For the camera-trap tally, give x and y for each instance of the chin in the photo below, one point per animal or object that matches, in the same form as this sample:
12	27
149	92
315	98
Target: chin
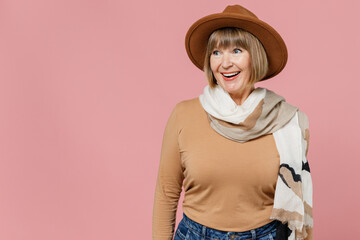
234	89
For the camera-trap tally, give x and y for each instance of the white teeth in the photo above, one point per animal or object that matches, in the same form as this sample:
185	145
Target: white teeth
230	74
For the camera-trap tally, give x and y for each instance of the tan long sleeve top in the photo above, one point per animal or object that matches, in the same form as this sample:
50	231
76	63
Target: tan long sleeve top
228	186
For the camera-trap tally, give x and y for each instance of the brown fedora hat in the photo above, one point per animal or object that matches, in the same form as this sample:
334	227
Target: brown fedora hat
239	17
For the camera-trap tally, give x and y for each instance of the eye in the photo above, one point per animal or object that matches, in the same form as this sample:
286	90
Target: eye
216	52
237	50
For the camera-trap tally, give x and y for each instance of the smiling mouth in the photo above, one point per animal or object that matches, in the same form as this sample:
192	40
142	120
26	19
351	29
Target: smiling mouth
230	76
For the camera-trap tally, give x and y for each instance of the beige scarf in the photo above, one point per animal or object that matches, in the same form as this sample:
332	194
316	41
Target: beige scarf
265	112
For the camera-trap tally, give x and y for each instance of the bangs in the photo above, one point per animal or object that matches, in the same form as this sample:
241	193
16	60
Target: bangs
227	37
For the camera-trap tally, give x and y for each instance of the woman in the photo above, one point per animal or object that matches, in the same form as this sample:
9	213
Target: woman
238	151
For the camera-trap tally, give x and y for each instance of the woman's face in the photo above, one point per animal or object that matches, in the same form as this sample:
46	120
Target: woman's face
232	68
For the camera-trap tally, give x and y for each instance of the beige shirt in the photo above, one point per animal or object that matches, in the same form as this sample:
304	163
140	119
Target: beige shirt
228	186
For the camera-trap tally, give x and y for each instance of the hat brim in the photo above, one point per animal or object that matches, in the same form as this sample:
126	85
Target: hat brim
199	33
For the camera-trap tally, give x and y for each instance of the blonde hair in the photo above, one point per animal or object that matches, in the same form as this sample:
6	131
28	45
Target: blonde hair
231	36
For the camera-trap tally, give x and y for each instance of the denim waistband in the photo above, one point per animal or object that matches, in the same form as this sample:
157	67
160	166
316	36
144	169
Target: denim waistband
205	232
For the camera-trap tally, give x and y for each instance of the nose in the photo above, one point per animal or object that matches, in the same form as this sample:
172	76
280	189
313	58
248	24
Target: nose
226	61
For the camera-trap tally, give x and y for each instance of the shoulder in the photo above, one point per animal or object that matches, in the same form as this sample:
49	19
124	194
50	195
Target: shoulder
188	103
184	109
304	124
303	120
187	106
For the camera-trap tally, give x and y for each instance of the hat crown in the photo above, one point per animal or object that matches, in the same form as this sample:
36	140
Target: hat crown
237	9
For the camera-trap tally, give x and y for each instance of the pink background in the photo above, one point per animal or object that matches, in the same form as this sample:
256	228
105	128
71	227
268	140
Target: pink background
86	87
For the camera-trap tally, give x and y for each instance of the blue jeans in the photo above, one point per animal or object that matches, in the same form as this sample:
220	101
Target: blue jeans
191	230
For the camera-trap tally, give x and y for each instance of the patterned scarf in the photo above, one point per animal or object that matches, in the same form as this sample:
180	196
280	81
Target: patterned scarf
265	112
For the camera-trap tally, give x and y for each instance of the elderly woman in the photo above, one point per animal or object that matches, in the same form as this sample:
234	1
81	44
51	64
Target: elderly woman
240	152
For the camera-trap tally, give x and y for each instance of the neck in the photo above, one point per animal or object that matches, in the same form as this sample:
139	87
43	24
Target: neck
239	98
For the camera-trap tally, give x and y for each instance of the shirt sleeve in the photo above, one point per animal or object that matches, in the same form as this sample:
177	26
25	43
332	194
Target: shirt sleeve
169	182
310	234
307	138
308	203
